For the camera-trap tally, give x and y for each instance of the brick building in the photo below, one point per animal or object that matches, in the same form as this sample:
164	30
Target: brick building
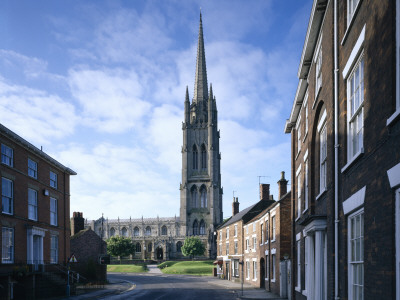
345	153
253	242
34	222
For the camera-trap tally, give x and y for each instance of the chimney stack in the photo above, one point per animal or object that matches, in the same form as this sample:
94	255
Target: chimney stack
77	223
282	183
235	206
264	191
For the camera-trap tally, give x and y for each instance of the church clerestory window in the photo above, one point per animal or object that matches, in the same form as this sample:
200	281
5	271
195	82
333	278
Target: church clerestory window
195	227
164	230
112	231
124	232
148	231
136	231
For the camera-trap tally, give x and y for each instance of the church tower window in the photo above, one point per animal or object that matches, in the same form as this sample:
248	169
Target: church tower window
194	197
195	158
203	197
203	157
202	227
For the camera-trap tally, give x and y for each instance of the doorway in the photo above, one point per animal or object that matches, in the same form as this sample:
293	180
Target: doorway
262	273
160	254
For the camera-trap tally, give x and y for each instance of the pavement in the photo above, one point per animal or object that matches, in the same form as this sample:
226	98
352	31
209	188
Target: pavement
118	287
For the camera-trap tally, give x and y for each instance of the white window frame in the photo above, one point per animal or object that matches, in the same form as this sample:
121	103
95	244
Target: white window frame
236	268
236	247
273	266
305	107
298	281
273	220
262	233
32	204
267	266
254	270
7	245
267	231
247	244
227	233
349	246
7	197
318	68
220	236
306	269
7	155
298	130
298	195
53	211
235	230
306	187
247	270
254	243
323	155
254	227
32	168
353	116
53	249
352	6
227	248
53	179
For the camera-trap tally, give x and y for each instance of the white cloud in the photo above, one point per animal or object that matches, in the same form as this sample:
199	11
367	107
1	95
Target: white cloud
111	98
36	115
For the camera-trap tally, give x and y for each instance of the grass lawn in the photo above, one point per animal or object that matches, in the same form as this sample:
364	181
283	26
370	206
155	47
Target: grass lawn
203	268
127	268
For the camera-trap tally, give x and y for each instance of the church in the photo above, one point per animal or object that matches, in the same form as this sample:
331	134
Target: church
200	189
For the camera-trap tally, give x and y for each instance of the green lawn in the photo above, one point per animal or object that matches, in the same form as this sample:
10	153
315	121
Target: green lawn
203	268
127	268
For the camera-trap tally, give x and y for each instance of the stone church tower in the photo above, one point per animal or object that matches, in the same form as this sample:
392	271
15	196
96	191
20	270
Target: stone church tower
201	192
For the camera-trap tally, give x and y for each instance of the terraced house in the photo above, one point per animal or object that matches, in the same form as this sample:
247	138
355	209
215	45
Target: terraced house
345	153
34	221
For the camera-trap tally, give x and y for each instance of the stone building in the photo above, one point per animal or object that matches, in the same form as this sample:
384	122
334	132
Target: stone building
200	189
345	159
34	217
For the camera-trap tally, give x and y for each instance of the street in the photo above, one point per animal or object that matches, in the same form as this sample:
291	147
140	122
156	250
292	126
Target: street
156	286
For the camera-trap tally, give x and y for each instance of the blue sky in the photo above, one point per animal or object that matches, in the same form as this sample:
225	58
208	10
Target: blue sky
101	86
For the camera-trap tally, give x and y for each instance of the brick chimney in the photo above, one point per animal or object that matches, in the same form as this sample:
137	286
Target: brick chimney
264	191
282	183
235	206
77	222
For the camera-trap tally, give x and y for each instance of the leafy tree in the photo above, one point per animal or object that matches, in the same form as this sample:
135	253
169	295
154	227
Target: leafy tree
193	246
120	246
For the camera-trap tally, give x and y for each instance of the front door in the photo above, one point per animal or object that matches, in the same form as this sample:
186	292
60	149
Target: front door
36	251
227	270
262	273
159	253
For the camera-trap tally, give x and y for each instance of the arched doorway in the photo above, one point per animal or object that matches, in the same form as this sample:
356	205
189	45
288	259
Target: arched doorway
262	273
160	254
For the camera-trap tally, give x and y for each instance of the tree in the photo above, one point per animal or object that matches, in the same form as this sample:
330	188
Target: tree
193	246
120	246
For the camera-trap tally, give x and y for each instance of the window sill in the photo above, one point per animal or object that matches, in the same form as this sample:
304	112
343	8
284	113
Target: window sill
297	289
316	97
305	210
298	217
304	292
6	213
393	117
320	194
254	279
305	136
354	158
346	34
273	241
272	280
254	250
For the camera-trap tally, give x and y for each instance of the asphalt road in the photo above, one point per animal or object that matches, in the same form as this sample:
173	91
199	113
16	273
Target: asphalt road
174	287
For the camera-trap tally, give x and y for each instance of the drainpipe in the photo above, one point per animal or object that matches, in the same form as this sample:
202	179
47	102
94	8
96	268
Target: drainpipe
335	41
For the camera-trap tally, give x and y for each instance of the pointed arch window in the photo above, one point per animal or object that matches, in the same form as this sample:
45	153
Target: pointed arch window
150	247
203	197
179	246
202	227
195	227
148	231
124	232
136	232
138	247
112	231
195	158
164	230
203	157
194	197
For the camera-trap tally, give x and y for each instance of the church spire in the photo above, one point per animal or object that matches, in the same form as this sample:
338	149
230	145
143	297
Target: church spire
200	85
